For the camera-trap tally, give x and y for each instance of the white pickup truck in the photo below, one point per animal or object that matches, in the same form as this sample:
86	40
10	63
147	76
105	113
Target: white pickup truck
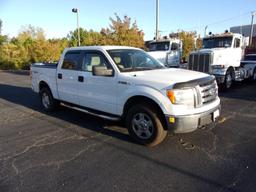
125	83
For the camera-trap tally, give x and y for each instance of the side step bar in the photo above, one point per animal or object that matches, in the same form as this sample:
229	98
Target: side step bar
108	117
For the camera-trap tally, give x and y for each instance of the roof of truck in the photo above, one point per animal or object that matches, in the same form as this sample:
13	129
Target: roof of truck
229	34
100	48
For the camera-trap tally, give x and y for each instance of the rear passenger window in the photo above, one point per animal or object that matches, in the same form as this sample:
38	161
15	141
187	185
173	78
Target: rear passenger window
93	59
71	60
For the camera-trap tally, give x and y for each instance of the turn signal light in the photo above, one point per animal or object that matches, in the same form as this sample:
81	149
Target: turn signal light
171	96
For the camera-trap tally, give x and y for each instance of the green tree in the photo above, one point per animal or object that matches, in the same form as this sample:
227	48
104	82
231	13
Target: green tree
199	42
1	25
3	38
87	38
28	47
120	32
123	32
188	40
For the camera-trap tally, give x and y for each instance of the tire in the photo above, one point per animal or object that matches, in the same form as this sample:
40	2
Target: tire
144	125
228	81
47	101
253	77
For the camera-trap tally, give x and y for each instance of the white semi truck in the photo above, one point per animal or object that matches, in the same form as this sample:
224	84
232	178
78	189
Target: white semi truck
221	56
167	50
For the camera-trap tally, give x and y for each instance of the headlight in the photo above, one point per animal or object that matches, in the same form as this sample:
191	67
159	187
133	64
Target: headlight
218	66
181	96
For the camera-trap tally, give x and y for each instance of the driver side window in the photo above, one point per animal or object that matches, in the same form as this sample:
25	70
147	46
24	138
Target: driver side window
174	47
93	59
237	43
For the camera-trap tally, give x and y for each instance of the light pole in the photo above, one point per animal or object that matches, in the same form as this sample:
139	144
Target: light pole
75	10
205	30
157	20
253	14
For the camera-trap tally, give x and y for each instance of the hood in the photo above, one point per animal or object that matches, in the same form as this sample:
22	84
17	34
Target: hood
221	56
162	78
215	51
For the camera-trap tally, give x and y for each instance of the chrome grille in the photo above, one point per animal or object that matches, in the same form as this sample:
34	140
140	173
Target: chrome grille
208	92
200	62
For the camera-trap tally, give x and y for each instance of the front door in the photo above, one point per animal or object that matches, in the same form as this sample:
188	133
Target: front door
237	53
96	92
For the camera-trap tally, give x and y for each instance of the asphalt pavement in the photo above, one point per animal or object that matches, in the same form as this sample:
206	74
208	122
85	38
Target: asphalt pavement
68	150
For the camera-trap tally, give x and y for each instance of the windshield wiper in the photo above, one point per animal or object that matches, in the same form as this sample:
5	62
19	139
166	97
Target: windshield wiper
143	68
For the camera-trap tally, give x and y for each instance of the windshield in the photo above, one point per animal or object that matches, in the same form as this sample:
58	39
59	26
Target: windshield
217	42
250	58
159	46
134	60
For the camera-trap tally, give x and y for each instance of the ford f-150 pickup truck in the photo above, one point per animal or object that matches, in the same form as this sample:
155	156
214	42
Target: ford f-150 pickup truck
125	83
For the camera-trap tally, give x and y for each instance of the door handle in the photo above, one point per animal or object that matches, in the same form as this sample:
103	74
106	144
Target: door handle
59	76
80	78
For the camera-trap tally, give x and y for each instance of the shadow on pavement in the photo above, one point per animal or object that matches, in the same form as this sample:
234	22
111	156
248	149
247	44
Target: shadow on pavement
24	96
244	90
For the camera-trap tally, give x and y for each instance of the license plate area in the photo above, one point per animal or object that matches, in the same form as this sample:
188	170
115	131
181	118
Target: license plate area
208	119
216	114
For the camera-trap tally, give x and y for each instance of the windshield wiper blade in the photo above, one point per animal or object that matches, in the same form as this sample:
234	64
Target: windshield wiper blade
143	68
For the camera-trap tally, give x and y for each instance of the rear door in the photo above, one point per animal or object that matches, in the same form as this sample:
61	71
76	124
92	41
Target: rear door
96	92
67	77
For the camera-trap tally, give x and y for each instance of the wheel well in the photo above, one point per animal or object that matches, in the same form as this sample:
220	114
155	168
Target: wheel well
145	100
42	85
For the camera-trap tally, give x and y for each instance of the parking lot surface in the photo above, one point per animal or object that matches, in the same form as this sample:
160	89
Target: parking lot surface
71	151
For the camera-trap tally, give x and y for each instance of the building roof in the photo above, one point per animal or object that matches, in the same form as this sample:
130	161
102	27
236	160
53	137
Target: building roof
245	30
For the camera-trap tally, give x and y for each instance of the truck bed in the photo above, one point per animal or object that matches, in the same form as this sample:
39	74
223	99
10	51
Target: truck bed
44	72
45	65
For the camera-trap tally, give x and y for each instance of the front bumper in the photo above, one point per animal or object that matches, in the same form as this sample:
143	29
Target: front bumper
189	123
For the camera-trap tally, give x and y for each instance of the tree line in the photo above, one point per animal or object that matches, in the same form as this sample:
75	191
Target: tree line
31	45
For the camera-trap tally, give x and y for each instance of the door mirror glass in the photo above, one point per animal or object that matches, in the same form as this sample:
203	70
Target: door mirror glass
226	45
102	71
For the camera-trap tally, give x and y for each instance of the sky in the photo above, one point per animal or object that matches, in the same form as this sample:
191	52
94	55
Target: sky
57	19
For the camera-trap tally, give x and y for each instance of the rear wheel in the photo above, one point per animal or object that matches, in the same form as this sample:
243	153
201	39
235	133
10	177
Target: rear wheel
253	78
47	100
145	126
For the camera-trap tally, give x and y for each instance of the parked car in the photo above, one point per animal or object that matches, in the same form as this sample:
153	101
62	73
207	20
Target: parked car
125	83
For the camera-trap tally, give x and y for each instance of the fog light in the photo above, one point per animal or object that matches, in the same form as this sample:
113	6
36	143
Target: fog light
171	119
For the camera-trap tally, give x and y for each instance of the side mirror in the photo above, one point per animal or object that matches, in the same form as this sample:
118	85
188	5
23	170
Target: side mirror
226	45
102	71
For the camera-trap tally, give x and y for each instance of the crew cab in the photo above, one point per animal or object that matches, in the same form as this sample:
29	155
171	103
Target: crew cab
125	83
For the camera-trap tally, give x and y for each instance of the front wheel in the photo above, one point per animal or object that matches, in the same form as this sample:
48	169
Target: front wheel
227	82
145	126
